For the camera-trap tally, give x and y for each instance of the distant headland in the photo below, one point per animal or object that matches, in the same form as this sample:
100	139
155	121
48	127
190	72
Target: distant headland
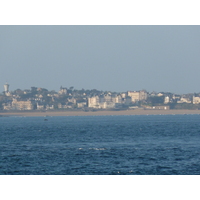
40	100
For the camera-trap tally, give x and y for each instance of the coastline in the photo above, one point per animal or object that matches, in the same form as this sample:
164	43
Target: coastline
100	113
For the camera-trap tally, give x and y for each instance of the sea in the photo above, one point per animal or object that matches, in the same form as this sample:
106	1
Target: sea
100	145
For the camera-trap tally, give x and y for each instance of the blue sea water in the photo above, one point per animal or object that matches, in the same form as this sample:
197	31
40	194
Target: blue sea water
100	145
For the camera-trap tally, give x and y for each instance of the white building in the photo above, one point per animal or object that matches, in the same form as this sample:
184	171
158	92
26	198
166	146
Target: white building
184	100
40	106
137	96
22	105
7	106
49	107
93	102
72	100
81	104
196	100
123	95
117	99
166	100
160	94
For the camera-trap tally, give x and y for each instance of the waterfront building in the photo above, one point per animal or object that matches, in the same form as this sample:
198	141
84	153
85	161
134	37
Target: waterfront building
117	99
7	105
22	105
49	107
184	100
72	100
93	102
108	98
196	100
156	107
128	100
143	95
81	104
62	105
40	106
137	96
166	100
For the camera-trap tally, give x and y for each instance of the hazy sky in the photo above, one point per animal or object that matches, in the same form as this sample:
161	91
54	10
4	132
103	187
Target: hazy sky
115	58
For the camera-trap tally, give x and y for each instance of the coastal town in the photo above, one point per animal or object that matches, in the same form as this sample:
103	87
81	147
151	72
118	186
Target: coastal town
70	98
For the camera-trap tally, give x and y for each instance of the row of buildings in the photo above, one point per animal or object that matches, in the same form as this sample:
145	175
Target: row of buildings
180	100
42	99
116	100
104	101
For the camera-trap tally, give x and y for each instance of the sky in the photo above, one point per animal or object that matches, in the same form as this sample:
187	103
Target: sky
109	58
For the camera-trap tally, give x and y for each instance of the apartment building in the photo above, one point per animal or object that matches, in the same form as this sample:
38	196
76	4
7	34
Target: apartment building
93	102
22	105
137	96
117	99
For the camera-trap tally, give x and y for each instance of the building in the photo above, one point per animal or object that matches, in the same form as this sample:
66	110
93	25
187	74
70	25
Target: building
157	107
62	106
108	98
143	95
176	97
7	105
117	99
40	106
71	100
93	102
6	88
62	91
196	100
137	96
128	100
160	94
123	95
184	100
81	104
49	107
22	105
161	107
166	100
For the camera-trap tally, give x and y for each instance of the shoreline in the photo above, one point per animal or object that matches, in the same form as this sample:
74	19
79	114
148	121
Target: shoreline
100	113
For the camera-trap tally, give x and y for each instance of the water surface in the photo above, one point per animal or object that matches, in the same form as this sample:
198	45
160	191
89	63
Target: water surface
100	145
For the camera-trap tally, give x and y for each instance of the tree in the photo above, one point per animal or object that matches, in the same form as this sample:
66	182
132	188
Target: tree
155	100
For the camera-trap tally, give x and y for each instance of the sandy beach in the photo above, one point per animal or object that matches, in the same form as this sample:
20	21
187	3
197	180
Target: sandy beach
97	113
